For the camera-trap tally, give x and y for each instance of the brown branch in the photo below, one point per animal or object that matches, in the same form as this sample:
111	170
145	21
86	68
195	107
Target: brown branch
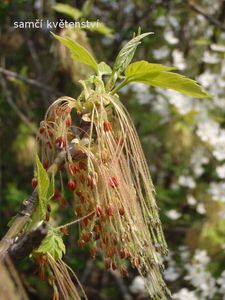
29	204
34	82
210	18
14	107
121	285
27	243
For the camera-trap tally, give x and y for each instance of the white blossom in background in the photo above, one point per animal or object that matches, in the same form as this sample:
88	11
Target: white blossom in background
206	78
186	181
198	161
217	191
161	21
216	47
200	208
138	285
191	200
210	58
184	253
178	59
172	272
208	130
161	106
221	283
220	170
199	277
141	91
185	294
161	53
170	37
173	214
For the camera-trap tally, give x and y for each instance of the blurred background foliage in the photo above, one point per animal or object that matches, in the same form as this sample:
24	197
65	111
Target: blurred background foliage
183	138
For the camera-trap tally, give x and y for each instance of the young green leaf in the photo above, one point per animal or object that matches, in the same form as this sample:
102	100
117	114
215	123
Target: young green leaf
43	186
175	82
104	69
159	76
100	28
141	68
78	52
53	244
67	10
127	52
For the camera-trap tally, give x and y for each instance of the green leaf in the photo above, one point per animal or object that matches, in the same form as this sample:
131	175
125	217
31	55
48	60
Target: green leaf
100	28
53	244
159	76
104	69
67	10
43	186
142	67
127	52
78	52
51	188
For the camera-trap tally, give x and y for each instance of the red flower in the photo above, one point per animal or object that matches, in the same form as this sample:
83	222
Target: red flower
113	182
68	121
71	185
107	126
34	182
60	142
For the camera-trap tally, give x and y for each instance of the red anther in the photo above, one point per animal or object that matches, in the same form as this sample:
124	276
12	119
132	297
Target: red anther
57	194
61	167
107	126
93	252
46	164
110	252
114	267
113	182
99	211
136	262
124	253
34	182
105	240
110	210
41	130
73	169
65	230
120	141
121	211
82	165
68	121
78	211
107	264
81	243
91	182
97	229
55	295
82	179
81	196
85	222
71	185
85	236
49	144
60	142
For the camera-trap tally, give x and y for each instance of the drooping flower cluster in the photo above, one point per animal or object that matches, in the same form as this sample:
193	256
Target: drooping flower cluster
109	178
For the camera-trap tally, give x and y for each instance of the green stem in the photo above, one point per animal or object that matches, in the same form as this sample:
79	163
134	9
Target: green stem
119	87
75	221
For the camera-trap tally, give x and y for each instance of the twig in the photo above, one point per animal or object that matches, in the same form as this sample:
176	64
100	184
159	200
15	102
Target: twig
14	106
28	205
28	80
27	243
121	285
211	19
